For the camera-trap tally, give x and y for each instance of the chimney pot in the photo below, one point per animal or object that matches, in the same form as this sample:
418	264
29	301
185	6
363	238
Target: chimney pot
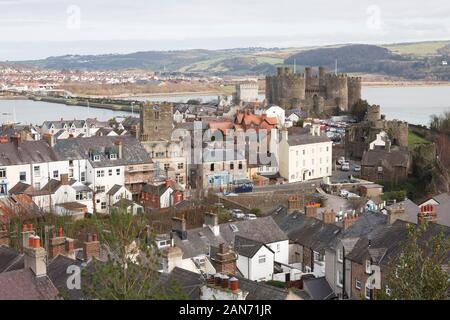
225	281
234	284
30	227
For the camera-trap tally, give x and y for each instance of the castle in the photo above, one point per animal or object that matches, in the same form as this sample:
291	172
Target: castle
318	93
359	136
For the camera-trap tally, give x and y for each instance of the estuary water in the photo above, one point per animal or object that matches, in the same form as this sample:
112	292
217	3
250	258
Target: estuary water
412	104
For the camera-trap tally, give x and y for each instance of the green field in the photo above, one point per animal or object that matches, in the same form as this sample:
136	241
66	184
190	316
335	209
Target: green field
414	139
417	49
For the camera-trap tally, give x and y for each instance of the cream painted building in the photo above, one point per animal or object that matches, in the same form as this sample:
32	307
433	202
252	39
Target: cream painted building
305	156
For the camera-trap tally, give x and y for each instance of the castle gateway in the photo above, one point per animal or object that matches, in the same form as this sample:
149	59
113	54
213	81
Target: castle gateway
321	92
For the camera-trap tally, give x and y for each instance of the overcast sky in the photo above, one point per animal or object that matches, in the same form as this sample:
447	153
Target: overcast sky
31	29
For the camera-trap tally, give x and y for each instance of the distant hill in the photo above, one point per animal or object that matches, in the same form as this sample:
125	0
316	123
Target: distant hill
422	60
373	59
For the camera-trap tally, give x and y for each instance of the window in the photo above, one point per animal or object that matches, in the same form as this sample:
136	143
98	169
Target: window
100	173
55	174
278	247
2	173
103	205
98	200
110	172
367	292
97	158
118	172
37	186
304	151
328	148
262	259
3	189
37	171
70	173
368	265
231	166
23	176
180	165
317	256
157	115
179	179
340	255
113	156
357	284
166	166
100	189
83	176
212	167
70	163
240	165
340	279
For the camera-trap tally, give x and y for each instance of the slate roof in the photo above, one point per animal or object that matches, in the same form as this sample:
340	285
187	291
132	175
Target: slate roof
20	205
191	282
263	230
442	210
24	285
78	148
301	139
394	158
386	244
247	247
60	124
20	188
311	232
10	259
114	189
57	272
318	288
27	152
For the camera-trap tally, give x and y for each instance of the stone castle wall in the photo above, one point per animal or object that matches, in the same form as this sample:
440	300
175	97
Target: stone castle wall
295	90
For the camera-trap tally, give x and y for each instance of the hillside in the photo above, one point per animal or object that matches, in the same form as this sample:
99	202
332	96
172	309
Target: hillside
415	61
373	59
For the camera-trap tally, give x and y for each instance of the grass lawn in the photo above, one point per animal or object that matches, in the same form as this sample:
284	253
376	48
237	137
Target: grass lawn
418	49
414	139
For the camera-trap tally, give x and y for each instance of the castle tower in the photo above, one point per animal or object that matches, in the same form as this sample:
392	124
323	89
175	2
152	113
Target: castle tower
308	76
156	122
322	76
286	89
373	113
354	91
337	90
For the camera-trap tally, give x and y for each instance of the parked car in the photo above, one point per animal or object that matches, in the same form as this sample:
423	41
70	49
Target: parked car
357	168
343	193
352	195
250	216
237	213
340	161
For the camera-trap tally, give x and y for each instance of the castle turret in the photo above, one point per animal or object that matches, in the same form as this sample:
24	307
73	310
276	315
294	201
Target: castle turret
337	90
354	91
322	75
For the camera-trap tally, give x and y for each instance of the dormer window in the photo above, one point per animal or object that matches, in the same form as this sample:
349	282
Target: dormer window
113	156
96	157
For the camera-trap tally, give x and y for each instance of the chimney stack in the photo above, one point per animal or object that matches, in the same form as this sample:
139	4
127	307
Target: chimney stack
293	204
91	247
179	226
119	145
427	214
329	217
395	212
224	260
348	221
27	232
61	245
311	210
212	221
35	257
64	179
4	236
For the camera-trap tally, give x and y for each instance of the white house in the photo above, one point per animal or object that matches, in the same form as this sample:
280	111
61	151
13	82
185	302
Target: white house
255	260
259	244
30	162
305	156
274	112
